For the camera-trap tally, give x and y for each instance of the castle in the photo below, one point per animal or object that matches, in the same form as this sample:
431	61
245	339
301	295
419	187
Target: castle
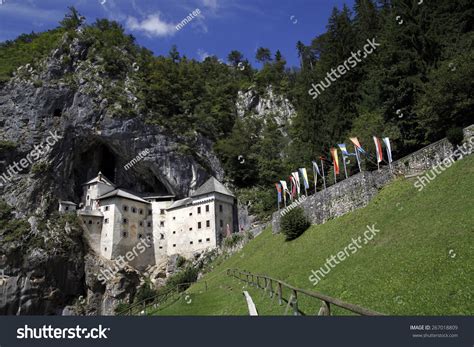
117	221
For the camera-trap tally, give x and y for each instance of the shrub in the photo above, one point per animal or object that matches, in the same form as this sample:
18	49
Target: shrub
455	136
121	308
182	278
232	240
180	261
39	168
145	292
294	223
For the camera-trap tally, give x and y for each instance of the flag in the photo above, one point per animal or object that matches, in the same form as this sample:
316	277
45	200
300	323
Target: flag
305	177
285	189
316	169
386	140
278	188
378	148
335	160
344	151
293	186
357	145
296	178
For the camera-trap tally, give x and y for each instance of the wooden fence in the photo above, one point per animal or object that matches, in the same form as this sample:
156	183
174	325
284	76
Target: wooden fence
152	303
269	283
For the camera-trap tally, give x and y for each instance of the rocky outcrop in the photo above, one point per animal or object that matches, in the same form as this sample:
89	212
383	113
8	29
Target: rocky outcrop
64	100
267	105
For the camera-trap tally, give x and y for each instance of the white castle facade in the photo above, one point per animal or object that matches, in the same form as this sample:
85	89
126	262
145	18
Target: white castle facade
119	223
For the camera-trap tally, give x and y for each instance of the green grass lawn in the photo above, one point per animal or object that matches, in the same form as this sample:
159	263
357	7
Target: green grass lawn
420	263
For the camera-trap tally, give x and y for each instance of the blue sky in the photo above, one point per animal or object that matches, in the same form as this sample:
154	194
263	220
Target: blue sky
223	25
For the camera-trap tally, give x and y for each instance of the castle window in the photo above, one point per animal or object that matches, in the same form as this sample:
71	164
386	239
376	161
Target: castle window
125	207
105	249
162	236
199	209
174	218
208	224
134	210
162	223
161	247
174	245
106	208
149	212
149	236
207	208
220	208
162	211
221	223
125	221
90	221
190	242
190	229
200	240
140	236
148	224
87	197
208	240
67	208
124	234
174	232
140	211
98	222
106	221
89	187
199	225
141	223
190	213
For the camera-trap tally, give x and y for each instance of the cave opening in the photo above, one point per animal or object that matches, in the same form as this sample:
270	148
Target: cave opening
98	156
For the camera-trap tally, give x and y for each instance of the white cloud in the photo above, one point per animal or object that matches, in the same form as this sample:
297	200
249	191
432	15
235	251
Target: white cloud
202	54
152	25
212	4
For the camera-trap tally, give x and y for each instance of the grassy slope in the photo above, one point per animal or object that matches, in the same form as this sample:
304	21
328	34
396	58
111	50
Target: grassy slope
407	269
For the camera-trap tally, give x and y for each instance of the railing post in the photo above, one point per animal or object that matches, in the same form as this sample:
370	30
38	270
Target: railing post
279	294
270	288
295	303
265	288
257	281
325	309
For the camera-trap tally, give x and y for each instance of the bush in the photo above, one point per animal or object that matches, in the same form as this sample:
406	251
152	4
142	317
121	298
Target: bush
294	223
455	136
180	261
39	168
232	240
145	292
183	278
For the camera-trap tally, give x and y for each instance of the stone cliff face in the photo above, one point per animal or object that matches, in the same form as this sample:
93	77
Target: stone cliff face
265	105
63	100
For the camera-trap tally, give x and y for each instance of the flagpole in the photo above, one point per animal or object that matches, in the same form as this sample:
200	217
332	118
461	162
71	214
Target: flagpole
357	157
335	179
324	178
345	169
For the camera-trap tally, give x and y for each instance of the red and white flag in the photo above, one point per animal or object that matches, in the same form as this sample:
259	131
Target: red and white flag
378	148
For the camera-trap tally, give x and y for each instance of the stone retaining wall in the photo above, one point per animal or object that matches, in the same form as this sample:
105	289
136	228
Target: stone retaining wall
356	191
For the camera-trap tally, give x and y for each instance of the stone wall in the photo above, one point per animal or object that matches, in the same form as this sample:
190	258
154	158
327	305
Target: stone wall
356	191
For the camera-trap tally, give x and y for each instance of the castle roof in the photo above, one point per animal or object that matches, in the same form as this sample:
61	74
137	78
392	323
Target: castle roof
67	202
122	194
100	178
212	185
180	203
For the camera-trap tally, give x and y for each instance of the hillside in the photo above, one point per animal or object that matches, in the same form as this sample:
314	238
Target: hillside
420	263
